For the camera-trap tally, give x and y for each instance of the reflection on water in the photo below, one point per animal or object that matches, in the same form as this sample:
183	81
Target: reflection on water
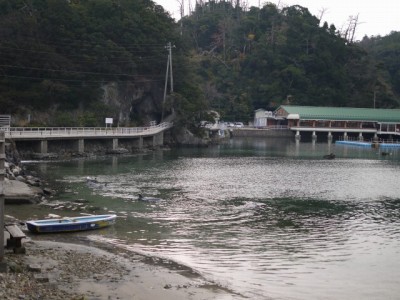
267	218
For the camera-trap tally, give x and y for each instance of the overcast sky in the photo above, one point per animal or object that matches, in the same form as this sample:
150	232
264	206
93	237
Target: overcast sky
374	17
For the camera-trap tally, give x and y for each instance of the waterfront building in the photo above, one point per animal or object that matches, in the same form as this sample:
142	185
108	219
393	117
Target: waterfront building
341	121
267	119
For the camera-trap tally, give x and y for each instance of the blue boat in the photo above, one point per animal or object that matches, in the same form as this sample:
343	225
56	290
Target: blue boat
71	224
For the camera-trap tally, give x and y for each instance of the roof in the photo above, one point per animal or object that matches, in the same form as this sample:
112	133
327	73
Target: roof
343	113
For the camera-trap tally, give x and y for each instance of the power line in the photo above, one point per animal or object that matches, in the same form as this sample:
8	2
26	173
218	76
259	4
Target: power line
74	80
11	53
135	60
79	42
71	71
49	52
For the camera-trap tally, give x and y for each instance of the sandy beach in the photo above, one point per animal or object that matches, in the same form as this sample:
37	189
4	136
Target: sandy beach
55	270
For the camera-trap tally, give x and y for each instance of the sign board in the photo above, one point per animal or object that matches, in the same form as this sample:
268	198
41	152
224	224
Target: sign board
109	122
5	120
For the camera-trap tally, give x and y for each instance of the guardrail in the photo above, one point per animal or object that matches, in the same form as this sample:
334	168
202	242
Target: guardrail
40	132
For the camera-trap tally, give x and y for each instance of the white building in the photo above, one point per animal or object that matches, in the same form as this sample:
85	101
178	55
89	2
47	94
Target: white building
264	118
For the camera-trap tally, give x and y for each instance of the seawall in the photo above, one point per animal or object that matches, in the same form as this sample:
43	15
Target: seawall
255	132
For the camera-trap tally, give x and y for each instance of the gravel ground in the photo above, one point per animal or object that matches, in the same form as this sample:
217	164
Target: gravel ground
53	270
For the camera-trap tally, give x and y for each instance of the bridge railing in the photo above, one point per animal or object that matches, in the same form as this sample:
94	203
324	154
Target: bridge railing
33	132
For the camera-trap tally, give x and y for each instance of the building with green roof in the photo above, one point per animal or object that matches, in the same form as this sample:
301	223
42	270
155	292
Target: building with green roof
343	121
341	113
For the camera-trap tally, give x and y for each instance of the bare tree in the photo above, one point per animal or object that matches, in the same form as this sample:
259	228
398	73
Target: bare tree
355	24
244	4
182	12
181	7
322	11
190	6
349	32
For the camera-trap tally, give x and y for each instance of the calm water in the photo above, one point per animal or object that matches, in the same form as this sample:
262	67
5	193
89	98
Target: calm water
269	219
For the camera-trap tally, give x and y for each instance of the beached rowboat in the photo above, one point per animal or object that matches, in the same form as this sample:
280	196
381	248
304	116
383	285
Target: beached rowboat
71	224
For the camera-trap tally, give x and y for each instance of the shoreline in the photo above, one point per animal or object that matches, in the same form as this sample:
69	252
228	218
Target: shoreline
59	270
81	269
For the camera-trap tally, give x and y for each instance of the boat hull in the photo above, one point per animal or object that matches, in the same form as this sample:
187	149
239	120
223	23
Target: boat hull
71	224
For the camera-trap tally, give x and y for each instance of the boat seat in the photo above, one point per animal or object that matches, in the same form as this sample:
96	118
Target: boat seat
15	240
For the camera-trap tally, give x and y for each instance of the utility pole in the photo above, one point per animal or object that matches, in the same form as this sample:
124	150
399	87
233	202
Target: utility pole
169	48
169	68
165	90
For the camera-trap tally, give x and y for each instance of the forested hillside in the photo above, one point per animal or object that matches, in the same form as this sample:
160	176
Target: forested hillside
386	53
59	56
260	58
79	61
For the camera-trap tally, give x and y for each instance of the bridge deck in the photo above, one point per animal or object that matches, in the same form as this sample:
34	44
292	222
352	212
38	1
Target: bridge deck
40	133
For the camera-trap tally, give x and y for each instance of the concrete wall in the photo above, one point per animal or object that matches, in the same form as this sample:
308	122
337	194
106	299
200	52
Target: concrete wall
254	132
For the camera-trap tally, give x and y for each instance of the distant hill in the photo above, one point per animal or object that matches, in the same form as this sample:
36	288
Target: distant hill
73	63
263	57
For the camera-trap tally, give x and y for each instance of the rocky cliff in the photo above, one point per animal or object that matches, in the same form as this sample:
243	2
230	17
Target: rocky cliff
134	102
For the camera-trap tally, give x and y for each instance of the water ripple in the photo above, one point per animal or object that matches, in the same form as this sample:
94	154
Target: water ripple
278	223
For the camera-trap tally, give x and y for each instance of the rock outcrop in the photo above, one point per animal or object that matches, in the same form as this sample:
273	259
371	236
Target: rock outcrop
20	187
18	192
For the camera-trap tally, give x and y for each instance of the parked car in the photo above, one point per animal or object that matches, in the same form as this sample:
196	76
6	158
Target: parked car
239	125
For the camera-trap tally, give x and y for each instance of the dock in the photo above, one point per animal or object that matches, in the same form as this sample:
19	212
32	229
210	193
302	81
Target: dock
372	144
53	139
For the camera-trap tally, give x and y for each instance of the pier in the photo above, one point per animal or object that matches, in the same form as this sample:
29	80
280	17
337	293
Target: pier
374	143
49	139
